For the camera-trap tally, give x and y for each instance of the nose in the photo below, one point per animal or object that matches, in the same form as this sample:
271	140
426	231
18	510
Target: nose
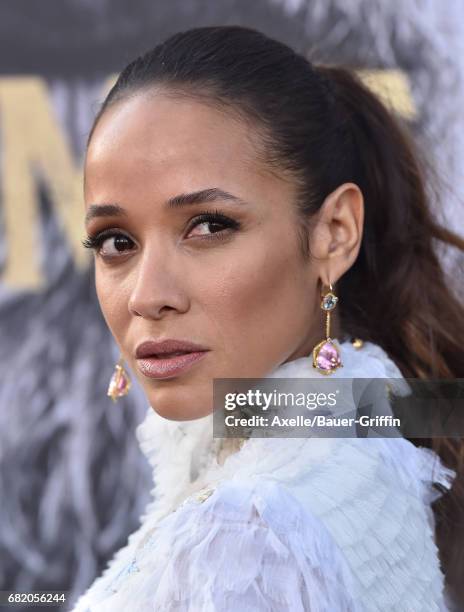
158	286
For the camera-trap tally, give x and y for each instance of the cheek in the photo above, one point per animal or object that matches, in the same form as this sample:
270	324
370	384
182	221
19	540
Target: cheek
113	303
259	305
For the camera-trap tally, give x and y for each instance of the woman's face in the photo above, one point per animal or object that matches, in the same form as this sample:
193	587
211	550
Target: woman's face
234	282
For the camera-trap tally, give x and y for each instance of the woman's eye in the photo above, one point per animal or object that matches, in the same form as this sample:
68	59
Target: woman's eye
208	224
109	244
206	227
118	243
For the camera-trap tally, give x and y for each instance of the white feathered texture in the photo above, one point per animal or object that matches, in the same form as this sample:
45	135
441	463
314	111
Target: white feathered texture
289	524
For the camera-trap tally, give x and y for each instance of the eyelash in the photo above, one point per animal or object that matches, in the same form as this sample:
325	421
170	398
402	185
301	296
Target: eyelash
95	242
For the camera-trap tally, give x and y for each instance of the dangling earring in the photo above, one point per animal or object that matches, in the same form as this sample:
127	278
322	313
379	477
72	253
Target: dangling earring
326	356
120	382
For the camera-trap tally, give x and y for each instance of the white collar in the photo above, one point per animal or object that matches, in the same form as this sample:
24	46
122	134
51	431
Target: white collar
179	452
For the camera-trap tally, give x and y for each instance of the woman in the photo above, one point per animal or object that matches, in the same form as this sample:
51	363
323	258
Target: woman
229	186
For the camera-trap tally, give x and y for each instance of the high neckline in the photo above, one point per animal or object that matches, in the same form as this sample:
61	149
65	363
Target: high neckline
180	452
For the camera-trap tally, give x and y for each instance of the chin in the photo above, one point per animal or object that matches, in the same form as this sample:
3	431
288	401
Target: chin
179	406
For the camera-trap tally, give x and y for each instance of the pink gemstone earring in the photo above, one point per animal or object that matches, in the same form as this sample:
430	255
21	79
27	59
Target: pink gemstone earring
326	355
120	382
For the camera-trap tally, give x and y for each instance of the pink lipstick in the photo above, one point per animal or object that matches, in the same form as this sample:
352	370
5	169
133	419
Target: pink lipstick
167	358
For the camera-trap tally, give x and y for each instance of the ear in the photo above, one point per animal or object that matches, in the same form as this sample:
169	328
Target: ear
337	233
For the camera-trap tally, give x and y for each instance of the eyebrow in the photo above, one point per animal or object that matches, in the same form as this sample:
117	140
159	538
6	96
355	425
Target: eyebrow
212	194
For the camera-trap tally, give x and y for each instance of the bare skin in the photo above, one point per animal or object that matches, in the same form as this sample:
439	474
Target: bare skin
244	292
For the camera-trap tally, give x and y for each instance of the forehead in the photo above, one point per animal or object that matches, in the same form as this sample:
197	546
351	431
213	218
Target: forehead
151	139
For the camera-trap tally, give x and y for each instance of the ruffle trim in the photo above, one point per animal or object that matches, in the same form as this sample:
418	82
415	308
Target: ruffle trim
338	473
252	538
179	454
248	547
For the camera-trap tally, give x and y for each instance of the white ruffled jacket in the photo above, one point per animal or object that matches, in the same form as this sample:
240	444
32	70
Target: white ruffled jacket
313	524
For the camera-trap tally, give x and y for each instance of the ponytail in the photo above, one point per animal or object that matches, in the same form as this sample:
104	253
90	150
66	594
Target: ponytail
397	293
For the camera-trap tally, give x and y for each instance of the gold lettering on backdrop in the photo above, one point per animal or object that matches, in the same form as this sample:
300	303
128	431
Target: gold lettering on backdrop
393	88
33	141
34	144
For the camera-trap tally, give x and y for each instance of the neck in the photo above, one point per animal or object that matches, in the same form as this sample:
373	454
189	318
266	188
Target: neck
180	451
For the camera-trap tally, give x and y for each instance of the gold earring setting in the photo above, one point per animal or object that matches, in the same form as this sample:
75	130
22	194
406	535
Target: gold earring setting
120	382
326	355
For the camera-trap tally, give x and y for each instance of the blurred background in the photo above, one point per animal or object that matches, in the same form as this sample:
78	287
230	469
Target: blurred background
73	482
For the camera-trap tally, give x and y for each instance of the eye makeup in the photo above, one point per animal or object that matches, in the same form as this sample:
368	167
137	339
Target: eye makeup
95	241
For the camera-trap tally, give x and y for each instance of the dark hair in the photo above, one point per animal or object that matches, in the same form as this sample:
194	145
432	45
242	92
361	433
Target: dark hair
324	127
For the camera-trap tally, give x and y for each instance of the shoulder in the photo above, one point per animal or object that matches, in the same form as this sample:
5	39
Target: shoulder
372	498
246	544
327	476
342	533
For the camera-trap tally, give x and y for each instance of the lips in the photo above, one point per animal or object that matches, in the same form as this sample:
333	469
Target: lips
167	348
168	358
